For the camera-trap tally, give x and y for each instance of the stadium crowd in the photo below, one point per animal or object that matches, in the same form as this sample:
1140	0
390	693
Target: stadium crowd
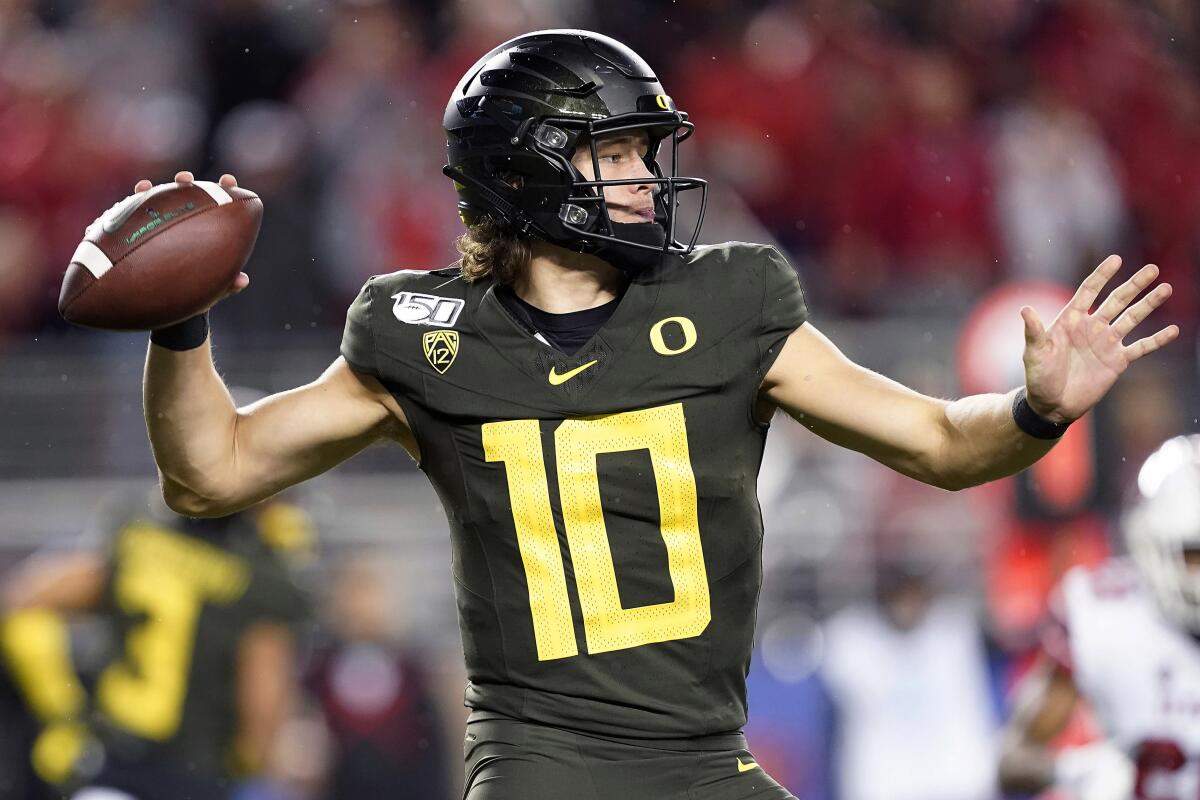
907	154
909	157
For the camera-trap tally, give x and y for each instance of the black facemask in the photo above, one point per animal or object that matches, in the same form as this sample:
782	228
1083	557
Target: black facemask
632	260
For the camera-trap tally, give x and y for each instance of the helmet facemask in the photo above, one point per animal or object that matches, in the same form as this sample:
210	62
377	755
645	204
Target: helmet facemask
522	111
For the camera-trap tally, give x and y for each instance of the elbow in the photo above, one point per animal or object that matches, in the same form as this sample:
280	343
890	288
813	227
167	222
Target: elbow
936	472
187	503
953	483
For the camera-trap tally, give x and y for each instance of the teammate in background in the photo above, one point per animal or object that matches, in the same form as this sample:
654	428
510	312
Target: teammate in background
203	616
1126	641
589	397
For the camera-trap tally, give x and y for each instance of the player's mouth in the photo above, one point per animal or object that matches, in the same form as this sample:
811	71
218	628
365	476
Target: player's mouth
636	214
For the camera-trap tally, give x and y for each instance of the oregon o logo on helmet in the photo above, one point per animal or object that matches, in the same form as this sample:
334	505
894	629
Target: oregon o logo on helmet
664	102
685	327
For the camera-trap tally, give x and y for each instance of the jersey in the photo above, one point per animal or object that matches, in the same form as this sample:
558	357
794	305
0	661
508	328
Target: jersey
602	506
181	594
1140	673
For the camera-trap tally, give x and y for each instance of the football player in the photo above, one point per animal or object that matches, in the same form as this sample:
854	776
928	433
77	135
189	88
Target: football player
201	677
589	396
1125	640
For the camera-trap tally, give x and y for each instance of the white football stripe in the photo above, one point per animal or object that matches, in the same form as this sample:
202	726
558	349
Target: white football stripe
92	258
216	191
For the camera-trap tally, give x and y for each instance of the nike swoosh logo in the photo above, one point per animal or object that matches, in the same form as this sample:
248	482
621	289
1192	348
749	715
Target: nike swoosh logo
745	767
557	380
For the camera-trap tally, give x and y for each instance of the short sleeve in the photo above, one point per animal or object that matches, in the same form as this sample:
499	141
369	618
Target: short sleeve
358	340
783	306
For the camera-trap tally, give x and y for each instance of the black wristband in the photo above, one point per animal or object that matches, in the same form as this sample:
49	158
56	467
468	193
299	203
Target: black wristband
186	335
1034	423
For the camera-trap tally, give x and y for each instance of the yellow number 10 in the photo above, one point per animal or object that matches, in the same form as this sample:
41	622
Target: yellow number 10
607	625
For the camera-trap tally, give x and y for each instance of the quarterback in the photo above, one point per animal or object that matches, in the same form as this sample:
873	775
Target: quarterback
1125	640
589	396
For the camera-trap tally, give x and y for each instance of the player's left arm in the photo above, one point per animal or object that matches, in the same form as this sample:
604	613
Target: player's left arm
1069	367
265	691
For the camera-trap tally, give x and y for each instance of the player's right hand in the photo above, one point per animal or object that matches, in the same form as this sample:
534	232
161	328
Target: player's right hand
228	181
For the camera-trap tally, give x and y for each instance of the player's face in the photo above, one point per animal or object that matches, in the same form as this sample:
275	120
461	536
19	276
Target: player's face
621	157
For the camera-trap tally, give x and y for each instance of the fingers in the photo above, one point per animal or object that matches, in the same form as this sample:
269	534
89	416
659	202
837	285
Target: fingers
1149	344
240	282
185	176
1091	287
1034	329
1124	294
1133	316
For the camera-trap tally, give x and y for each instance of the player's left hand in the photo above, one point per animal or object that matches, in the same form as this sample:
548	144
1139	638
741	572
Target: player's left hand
1072	364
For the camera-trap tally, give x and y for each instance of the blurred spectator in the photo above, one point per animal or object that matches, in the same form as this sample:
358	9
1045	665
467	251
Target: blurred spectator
1057	193
791	720
267	146
387	204
909	679
253	49
376	696
913	226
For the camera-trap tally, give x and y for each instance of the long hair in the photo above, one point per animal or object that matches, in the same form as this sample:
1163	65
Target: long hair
489	251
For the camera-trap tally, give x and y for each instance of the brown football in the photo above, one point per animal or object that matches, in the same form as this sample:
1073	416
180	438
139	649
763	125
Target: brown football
160	256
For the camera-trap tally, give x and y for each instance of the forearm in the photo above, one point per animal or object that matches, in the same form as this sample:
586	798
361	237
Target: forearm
1025	768
191	420
981	442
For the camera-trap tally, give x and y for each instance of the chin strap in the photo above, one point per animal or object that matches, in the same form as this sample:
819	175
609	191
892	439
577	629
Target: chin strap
632	260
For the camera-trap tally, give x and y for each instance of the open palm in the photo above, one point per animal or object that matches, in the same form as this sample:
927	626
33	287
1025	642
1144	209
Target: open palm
1073	363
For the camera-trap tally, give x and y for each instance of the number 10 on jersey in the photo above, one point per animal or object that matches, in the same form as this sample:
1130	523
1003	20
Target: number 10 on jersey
577	442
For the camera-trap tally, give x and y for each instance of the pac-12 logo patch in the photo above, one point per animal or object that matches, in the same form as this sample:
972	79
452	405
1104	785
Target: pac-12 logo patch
413	308
440	349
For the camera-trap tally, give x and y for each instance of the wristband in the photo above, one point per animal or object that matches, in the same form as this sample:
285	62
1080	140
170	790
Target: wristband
186	335
1034	423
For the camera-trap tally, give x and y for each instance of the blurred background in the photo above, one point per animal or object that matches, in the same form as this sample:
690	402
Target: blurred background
928	167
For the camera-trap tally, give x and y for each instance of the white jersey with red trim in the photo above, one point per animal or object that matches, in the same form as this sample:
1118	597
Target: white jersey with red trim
1140	673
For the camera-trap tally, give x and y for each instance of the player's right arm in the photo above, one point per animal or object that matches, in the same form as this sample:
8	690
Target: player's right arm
1045	702
214	458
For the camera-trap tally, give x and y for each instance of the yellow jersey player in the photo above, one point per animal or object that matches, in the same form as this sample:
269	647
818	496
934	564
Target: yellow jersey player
589	396
203	615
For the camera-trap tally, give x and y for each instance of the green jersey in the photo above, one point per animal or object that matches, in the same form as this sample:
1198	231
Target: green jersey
181	595
605	527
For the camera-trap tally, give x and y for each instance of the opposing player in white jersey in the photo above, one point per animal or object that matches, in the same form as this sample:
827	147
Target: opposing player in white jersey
1127	640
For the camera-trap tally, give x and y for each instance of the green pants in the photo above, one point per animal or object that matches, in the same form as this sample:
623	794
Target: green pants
507	759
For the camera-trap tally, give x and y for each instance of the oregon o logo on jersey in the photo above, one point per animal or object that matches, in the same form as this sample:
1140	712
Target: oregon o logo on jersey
686	328
440	349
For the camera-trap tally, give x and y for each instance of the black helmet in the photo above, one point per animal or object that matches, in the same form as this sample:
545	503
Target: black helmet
522	109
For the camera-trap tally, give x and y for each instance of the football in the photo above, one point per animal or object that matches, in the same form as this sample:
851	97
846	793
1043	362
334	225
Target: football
160	256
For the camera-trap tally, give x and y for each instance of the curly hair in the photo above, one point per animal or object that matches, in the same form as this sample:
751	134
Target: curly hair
490	251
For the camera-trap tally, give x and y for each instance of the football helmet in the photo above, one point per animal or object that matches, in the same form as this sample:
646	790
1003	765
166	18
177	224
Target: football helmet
516	118
1162	523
